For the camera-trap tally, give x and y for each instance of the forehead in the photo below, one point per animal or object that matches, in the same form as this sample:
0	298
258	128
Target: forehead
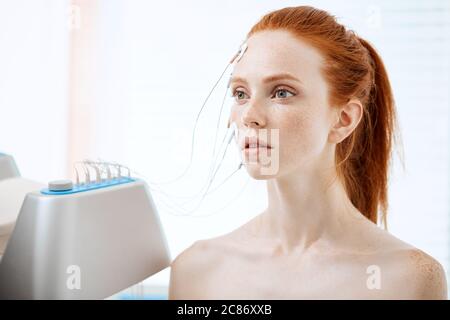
278	51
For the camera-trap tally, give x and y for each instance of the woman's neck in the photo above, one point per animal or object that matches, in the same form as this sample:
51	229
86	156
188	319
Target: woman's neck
304	209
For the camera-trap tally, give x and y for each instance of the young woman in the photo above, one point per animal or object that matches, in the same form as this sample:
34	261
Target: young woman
327	94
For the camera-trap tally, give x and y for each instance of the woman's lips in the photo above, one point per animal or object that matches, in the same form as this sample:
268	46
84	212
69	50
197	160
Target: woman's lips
250	143
257	150
254	148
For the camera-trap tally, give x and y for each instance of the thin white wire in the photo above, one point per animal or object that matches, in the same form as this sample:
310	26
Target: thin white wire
97	166
194	130
238	194
208	178
236	57
180	207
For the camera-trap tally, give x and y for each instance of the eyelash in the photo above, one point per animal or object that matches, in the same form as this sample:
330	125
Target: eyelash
278	89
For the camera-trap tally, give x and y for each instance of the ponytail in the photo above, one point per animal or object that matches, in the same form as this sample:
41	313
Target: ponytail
366	171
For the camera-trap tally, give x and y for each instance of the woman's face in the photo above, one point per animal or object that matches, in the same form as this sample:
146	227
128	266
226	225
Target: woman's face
296	108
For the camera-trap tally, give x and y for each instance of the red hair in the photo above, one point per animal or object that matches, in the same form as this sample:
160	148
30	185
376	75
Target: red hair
352	69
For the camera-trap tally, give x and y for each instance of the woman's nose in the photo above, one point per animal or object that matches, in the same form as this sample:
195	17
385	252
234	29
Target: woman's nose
253	116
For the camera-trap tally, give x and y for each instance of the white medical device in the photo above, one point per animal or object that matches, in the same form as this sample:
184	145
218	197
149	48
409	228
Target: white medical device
85	240
13	189
8	168
91	239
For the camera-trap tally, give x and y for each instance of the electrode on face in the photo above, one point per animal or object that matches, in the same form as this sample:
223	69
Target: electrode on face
240	53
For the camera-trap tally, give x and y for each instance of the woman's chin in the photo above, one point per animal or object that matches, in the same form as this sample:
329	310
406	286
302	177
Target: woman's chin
261	164
260	172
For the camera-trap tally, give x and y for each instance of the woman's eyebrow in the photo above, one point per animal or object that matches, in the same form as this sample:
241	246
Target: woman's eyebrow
272	78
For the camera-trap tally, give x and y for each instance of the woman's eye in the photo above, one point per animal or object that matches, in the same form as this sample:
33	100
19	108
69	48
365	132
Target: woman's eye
280	94
238	94
283	93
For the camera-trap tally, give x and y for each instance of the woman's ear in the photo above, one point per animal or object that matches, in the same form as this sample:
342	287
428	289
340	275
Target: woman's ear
347	119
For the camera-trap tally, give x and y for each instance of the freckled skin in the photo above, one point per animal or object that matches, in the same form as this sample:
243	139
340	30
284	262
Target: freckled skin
429	274
309	243
311	102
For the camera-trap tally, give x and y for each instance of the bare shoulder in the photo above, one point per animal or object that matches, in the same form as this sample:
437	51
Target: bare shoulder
406	271
189	270
425	275
413	274
193	270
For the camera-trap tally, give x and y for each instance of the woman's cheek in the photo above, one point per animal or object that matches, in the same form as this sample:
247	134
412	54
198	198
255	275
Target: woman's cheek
299	137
